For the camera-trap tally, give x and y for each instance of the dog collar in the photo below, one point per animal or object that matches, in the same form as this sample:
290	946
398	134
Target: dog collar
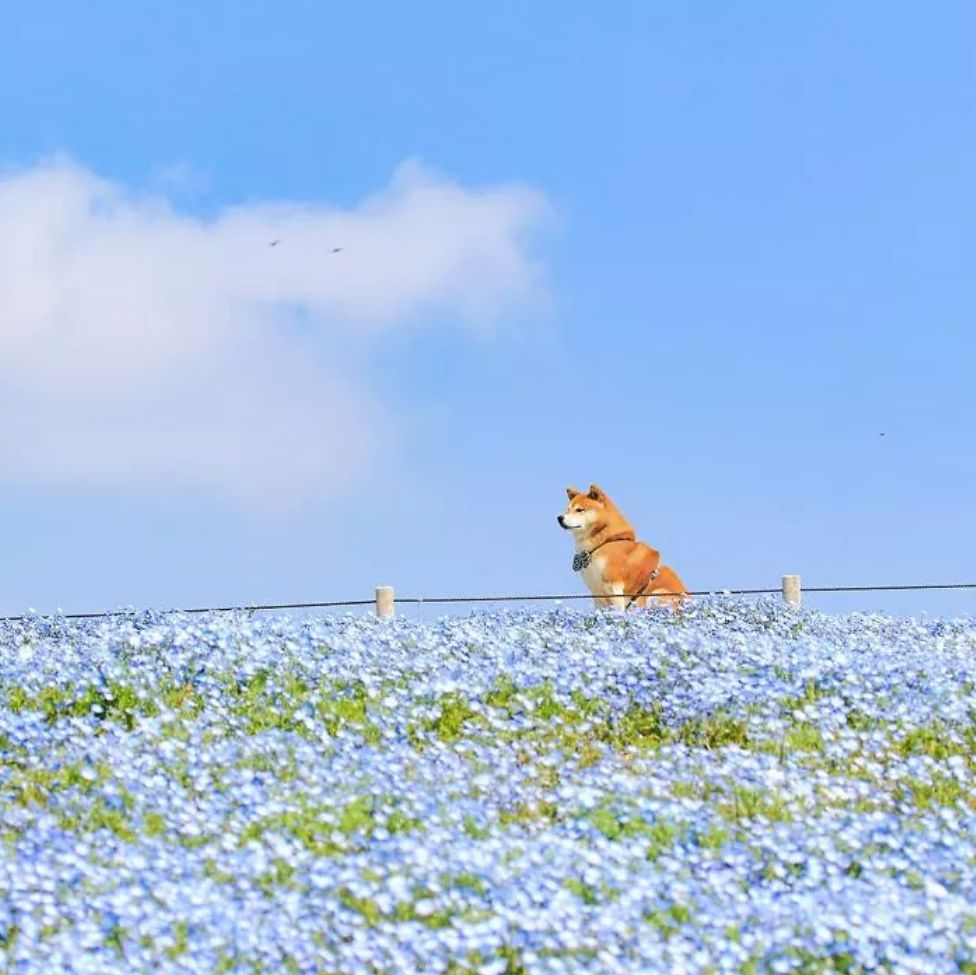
582	559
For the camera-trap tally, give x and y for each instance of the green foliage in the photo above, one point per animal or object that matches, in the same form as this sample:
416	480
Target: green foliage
280	875
744	802
453	713
345	706
99	815
181	936
587	893
471	827
713	731
113	701
804	737
313	826
668	919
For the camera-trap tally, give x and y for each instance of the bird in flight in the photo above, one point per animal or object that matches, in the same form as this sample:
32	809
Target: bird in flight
335	250
275	242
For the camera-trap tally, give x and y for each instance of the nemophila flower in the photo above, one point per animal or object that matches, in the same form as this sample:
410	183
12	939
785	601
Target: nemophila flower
739	788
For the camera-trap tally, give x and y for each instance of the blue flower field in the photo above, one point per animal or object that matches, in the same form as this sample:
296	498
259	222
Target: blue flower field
740	788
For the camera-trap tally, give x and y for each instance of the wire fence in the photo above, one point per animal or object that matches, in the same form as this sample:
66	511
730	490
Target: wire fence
422	601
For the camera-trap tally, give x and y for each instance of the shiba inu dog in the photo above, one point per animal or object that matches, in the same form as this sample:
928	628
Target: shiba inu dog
619	570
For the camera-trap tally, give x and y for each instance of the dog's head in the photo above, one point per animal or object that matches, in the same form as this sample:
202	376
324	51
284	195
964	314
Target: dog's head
584	510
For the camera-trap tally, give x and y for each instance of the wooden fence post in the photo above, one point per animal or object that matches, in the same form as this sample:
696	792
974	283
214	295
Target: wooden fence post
792	594
384	602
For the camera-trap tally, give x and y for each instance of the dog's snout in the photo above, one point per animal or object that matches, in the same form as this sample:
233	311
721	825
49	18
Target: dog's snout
559	518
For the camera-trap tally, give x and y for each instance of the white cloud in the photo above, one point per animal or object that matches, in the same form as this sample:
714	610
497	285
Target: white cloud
138	343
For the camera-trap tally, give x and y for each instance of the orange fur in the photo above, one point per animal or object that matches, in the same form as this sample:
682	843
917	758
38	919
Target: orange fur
619	564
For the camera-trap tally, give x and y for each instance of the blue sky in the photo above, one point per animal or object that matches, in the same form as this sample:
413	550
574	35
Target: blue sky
701	254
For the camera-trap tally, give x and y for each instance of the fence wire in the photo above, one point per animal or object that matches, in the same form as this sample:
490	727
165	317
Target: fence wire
523	598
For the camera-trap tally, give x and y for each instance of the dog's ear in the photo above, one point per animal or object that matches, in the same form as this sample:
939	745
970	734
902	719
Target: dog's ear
596	494
571	493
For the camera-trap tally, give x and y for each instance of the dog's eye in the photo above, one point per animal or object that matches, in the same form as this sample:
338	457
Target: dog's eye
580	510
